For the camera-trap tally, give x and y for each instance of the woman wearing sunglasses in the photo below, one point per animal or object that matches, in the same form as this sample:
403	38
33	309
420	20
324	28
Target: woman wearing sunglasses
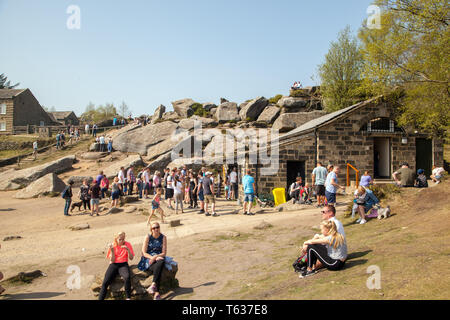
118	254
154	248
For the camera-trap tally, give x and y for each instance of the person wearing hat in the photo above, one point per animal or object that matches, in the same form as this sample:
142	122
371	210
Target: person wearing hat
421	180
407	176
208	192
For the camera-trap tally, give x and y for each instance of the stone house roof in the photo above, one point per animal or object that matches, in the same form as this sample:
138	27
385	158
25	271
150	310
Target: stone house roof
60	115
10	93
326	119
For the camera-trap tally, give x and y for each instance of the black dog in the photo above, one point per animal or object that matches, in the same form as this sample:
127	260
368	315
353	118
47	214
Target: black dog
76	204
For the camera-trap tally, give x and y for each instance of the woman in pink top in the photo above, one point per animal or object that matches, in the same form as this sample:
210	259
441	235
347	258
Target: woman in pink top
118	254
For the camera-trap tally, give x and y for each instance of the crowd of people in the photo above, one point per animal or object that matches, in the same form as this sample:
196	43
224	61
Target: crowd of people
182	187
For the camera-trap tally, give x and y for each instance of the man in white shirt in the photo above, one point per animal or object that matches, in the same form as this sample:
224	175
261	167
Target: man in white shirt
35	149
86	129
234	184
146	181
121	177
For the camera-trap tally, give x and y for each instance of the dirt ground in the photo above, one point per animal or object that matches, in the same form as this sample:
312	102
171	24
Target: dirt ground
213	264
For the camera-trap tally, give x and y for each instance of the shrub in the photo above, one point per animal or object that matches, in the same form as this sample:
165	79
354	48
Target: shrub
299	93
275	99
199	110
384	191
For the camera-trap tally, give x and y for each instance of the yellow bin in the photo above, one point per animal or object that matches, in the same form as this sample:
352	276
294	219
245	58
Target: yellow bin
279	196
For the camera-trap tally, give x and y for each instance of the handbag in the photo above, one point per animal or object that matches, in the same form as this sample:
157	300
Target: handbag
144	264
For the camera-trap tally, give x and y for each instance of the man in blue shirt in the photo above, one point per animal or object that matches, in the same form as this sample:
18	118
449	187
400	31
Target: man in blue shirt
248	183
331	186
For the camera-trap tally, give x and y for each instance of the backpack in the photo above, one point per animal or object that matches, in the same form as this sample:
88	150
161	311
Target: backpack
300	263
139	176
64	193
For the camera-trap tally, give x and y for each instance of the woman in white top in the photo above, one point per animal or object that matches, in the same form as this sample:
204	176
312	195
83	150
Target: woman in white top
330	248
178	193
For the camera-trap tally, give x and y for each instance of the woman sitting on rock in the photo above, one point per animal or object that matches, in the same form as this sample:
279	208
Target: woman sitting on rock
118	254
154	249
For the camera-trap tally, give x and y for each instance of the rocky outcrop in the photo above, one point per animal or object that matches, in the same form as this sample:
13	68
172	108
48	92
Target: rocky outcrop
227	111
141	139
112	171
184	107
253	109
269	114
140	282
93	155
13	180
158	113
49	184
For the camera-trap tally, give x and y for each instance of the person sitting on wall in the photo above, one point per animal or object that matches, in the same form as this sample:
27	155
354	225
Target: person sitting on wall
421	180
407	176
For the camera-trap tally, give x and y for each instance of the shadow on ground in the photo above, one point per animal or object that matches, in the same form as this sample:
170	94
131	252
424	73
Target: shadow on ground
32	295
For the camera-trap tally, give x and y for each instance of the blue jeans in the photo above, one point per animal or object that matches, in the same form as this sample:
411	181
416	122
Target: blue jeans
67	206
140	188
109	147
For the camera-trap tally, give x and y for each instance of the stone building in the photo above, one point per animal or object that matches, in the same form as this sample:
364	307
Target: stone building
364	135
18	108
65	117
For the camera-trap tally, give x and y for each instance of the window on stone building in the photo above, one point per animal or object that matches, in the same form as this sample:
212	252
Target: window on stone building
381	125
3	126
3	108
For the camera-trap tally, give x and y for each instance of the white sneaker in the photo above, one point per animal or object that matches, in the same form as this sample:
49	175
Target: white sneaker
358	221
363	221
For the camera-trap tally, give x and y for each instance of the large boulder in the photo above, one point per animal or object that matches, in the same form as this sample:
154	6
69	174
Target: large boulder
16	179
183	107
140	282
292	103
253	109
170	116
49	184
269	114
188	124
141	139
161	162
290	121
158	113
227	111
112	171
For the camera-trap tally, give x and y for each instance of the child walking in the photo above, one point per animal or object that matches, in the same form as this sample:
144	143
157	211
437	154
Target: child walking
156	206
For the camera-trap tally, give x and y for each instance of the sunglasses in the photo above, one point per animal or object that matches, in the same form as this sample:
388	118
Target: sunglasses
153	228
323	211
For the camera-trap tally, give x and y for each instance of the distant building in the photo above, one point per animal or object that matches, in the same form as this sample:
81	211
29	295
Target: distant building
65	117
19	107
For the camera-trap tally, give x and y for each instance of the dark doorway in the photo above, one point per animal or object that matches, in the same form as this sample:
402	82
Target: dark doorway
424	155
381	158
294	169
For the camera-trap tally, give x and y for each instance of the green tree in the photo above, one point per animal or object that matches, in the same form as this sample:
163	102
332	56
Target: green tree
411	50
6	84
340	74
98	114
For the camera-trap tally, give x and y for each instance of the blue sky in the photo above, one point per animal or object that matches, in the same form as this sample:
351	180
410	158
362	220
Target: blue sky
148	52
